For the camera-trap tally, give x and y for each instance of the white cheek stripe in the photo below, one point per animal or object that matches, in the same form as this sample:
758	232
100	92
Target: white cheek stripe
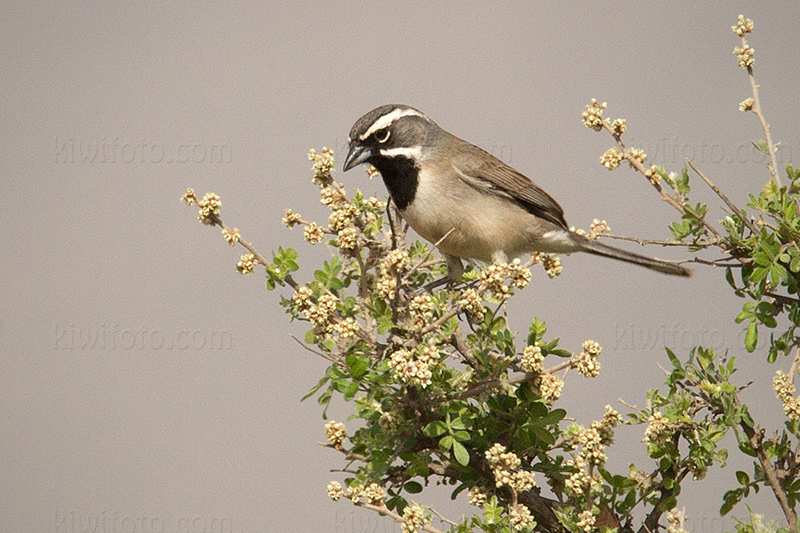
414	153
387	119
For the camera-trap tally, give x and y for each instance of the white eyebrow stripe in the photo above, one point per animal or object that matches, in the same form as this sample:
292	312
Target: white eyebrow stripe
414	153
387	119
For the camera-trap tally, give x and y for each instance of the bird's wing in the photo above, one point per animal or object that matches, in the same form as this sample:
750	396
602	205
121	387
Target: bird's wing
491	175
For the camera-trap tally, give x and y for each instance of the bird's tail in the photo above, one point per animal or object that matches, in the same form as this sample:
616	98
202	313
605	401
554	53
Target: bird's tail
594	247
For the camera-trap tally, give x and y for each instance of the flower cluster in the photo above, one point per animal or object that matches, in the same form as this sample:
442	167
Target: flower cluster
472	304
495	275
610	420
421	308
374	494
586	520
742	26
394	264
291	219
785	392
520	517
415	518
389	421
637	155
593	116
581	481
593	450
323	165
552	264
346	328
586	362
550	387
209	205
654	175
597	228
319	314
189	198
335	432
532	359
313	233
676	519
477	496
335	490
593	441
746	104
658	430
231	236
246	264
611	158
347	239
343	216
414	368
506	469
619	126
330	197
745	55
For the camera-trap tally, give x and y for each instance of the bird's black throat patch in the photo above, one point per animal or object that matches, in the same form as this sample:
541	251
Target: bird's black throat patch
401	176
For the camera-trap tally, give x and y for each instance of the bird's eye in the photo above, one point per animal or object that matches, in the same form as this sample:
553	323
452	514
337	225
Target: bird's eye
382	135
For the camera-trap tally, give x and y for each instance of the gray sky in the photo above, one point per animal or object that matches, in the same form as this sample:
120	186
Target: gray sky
149	387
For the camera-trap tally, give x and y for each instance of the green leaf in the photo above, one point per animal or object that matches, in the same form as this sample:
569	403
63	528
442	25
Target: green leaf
435	428
553	417
747	449
412	487
315	388
668	504
742	478
349	390
751	337
461	453
357	364
447	442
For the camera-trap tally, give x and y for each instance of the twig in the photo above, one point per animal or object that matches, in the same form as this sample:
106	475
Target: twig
382	509
724	198
783	299
315	352
654	180
773	165
442	518
250	248
717	262
795	363
755	439
669	242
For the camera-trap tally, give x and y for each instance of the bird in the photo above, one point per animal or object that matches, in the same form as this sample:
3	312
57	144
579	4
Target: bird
463	199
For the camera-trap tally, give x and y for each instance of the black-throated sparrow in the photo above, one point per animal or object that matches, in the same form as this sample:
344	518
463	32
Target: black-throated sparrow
464	199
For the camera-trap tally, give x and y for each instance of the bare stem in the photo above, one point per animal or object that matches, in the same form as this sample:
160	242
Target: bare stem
747	222
382	509
773	163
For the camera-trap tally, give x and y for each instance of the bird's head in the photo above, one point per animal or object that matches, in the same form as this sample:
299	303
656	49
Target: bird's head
388	132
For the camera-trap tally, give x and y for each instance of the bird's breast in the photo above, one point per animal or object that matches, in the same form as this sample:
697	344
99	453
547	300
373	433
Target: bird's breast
467	222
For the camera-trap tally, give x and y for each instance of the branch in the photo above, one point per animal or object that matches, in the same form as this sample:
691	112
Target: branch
755	439
668	242
773	165
382	509
724	198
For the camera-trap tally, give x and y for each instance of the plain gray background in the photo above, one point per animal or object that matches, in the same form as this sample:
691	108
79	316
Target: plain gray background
146	386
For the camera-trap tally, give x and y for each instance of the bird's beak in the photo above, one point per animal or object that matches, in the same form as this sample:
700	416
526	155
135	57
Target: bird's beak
358	154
